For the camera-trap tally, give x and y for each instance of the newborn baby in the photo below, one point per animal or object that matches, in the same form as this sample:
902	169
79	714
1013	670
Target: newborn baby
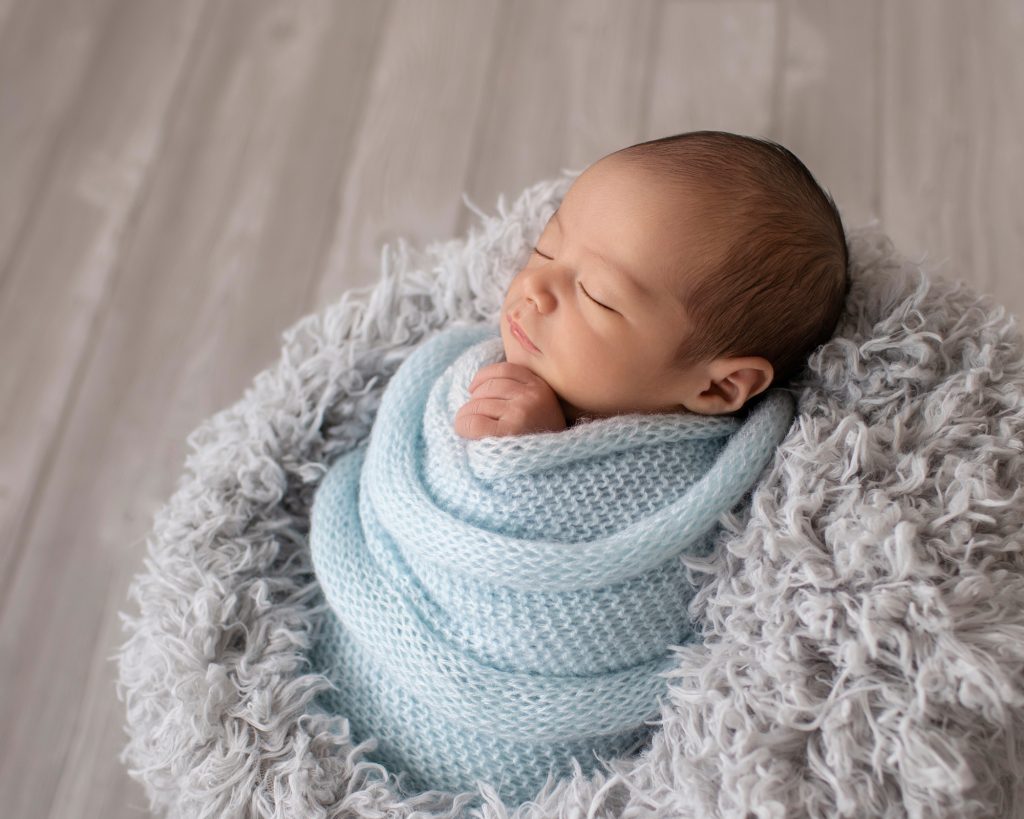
504	608
688	273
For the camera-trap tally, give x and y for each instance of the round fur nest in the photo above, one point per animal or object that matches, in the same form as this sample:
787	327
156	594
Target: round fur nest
863	620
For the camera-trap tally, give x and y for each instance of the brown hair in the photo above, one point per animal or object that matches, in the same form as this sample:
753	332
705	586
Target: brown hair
777	280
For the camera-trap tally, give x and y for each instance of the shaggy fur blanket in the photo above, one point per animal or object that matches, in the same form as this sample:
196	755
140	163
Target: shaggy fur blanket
507	605
862	622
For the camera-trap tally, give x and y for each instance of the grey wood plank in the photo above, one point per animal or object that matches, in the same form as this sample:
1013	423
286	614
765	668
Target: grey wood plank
91	781
45	48
6	7
227	248
608	51
716	68
953	115
55	293
407	169
606	75
57	282
54	296
827	99
568	84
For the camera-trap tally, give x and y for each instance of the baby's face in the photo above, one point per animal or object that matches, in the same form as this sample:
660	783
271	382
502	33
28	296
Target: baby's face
598	299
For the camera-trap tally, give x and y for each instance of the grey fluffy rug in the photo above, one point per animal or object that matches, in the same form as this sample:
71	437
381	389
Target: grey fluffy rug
864	621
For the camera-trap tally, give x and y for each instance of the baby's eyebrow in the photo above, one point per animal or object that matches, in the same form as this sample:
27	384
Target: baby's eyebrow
632	280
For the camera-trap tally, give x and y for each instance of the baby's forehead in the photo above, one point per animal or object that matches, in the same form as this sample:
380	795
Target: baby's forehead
663	230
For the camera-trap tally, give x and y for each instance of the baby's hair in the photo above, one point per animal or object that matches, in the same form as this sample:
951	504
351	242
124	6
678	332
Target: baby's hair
772	275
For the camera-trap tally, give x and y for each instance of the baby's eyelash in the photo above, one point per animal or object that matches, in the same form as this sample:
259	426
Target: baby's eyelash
585	293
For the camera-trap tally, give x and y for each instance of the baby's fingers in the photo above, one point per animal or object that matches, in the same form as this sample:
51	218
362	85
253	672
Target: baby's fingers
494	387
479	418
491	407
475	427
503	370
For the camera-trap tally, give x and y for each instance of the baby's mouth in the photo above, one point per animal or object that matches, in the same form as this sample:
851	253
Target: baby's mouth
521	336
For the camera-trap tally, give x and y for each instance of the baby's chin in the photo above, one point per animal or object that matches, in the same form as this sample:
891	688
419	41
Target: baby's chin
515	354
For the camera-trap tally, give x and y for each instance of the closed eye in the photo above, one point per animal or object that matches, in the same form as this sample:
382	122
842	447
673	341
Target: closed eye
585	293
605	306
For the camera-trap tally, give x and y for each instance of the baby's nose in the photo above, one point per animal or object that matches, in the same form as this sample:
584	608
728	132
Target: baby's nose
542	299
539	291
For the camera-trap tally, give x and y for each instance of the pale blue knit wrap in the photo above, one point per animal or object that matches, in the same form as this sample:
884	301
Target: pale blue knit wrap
506	604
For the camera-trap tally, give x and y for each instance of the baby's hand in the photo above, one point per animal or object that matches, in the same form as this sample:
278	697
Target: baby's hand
508	399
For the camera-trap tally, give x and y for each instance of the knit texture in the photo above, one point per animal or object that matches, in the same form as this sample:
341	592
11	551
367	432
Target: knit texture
505	605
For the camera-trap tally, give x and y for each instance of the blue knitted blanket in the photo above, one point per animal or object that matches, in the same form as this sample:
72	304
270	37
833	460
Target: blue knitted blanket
505	605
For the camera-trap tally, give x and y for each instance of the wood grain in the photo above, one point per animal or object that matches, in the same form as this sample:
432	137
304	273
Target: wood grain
57	299
715	68
953	157
45	53
567	84
408	183
827	99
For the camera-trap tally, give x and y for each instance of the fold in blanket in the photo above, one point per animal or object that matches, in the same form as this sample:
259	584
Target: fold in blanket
504	605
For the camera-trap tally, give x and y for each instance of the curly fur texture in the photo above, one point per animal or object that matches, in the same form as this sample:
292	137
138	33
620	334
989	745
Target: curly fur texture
863	621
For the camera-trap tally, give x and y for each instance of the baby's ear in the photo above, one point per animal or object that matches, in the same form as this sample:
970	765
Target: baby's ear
731	382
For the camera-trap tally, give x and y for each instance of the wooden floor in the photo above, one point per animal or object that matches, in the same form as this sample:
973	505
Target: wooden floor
181	181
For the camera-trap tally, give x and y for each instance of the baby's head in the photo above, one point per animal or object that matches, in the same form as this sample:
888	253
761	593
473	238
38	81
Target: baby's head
688	273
